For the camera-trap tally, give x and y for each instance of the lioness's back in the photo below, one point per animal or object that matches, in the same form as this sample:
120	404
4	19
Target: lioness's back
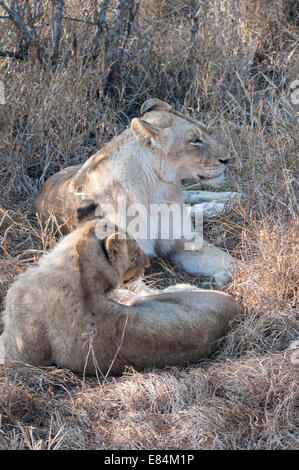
52	196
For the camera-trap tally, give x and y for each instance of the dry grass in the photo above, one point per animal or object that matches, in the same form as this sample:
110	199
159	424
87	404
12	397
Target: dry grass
233	72
248	403
268	288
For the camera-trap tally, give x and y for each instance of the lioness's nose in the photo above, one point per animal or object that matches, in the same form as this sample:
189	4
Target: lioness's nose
224	161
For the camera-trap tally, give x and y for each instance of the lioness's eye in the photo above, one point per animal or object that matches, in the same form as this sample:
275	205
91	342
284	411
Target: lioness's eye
197	141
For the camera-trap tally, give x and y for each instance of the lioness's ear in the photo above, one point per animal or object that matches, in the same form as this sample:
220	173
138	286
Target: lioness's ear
153	104
114	245
144	131
86	210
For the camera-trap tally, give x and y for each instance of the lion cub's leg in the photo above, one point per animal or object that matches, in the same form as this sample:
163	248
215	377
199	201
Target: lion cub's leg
28	343
209	261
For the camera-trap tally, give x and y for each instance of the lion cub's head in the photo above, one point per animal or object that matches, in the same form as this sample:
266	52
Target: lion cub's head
122	253
125	256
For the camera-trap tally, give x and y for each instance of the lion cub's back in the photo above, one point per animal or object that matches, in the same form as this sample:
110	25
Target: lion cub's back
191	303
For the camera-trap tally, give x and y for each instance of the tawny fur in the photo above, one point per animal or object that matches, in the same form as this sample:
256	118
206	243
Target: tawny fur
59	312
145	165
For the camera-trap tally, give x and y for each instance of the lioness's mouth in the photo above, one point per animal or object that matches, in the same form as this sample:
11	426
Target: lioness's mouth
212	179
211	174
203	178
207	178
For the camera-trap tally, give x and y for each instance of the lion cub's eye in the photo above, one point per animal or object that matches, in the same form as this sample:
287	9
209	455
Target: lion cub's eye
197	141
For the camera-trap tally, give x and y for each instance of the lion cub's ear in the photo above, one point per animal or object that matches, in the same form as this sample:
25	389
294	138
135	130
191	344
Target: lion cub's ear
153	104
115	245
144	131
86	210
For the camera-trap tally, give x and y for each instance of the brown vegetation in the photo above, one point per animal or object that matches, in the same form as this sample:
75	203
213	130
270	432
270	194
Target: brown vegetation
232	68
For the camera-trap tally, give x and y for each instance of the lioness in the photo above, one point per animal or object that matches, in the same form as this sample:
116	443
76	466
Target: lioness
59	312
145	165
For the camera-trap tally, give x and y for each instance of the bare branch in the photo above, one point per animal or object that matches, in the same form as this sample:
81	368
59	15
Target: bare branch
57	37
101	22
27	33
5	7
79	20
11	54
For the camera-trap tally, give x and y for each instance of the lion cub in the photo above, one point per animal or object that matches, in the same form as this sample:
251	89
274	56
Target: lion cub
58	312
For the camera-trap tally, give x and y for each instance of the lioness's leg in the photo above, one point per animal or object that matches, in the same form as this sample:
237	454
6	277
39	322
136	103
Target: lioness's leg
208	203
209	261
207	209
196	197
132	291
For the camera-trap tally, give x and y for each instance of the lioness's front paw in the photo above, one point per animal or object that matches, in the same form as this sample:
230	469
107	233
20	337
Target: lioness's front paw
221	279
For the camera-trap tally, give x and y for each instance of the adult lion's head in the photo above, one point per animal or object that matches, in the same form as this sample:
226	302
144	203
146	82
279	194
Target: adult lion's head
185	142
